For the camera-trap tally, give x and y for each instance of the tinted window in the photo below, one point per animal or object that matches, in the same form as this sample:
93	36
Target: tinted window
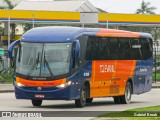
146	48
107	48
114	48
125	48
93	48
135	49
83	44
104	45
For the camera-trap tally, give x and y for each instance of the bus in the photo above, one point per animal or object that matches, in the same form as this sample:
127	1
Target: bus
73	63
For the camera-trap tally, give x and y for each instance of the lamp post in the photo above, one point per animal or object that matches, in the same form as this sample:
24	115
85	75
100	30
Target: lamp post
8	37
155	62
155	53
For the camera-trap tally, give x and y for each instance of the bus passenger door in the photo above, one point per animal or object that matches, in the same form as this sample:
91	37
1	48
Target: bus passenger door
102	73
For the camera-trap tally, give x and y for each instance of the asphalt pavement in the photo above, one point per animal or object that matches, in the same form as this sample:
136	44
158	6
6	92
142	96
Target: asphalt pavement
66	110
62	108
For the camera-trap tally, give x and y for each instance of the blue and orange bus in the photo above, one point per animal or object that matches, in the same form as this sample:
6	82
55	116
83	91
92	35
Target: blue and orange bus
71	63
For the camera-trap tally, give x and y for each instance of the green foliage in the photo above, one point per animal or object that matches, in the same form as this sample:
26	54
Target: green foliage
146	8
154	31
157	76
1	30
158	58
9	3
27	26
7	78
150	108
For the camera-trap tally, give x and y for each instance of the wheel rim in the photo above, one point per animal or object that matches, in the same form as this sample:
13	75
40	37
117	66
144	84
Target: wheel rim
128	94
83	96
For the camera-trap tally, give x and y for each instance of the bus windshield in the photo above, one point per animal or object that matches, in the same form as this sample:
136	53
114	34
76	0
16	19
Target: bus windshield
43	59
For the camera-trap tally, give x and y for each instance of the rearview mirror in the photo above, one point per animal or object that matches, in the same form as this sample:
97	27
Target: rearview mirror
11	47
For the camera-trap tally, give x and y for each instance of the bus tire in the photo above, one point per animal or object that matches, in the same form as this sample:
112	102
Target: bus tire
36	102
117	99
82	101
89	100
126	98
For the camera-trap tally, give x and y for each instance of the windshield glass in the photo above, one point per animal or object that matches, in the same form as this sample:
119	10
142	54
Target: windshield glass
43	59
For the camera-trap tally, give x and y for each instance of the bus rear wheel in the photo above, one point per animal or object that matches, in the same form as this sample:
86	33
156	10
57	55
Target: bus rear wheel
82	101
126	98
89	100
36	102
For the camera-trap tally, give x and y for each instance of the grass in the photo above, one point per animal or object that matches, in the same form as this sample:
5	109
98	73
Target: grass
151	108
157	76
130	114
7	79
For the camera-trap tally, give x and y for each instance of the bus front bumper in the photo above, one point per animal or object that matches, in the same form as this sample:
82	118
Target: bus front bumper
58	94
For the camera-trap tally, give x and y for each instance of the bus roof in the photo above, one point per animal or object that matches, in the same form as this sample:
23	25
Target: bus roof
68	34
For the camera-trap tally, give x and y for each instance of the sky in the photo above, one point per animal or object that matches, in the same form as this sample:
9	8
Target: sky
124	6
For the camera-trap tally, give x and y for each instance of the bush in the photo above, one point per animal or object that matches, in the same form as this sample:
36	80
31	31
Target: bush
7	78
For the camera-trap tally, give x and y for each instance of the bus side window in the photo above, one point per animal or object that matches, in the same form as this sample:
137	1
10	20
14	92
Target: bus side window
95	47
75	60
92	48
136	53
125	49
104	52
83	46
88	50
146	48
114	48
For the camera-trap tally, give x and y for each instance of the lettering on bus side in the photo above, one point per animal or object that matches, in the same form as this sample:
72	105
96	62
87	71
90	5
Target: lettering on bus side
107	68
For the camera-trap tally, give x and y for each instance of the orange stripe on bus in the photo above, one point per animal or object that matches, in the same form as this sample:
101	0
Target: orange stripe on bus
133	67
40	83
117	33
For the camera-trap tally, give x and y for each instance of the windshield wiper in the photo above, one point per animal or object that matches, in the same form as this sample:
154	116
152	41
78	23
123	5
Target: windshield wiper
47	64
34	65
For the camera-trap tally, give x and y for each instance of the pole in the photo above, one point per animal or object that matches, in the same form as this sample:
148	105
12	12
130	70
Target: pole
107	21
83	20
8	37
155	61
33	20
155	56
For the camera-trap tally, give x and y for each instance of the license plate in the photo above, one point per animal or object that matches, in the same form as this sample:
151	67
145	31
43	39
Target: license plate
39	96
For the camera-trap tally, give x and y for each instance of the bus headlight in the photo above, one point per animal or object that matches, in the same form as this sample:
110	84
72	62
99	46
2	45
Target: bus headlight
18	84
64	85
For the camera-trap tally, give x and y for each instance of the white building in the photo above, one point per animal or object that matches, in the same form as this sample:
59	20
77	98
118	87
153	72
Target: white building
58	5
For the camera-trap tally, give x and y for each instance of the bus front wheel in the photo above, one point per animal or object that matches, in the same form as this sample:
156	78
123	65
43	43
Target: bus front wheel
36	102
82	101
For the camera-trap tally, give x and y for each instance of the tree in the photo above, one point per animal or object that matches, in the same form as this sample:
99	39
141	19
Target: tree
146	8
27	27
9	3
